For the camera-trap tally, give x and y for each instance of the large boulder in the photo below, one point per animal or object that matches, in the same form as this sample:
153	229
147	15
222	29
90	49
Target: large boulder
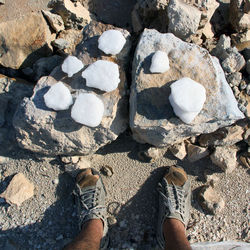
55	133
24	40
152	119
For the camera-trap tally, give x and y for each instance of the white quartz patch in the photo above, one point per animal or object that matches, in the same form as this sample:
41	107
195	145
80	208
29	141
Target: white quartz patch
103	75
88	110
159	62
111	42
187	98
72	65
58	97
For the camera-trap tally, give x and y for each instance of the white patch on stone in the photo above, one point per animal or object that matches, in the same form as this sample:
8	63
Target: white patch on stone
159	62
58	97
111	42
103	75
187	98
88	110
72	65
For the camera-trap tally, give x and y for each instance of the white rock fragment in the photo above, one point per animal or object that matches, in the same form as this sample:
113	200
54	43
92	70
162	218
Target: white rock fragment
159	62
187	98
103	75
58	97
72	65
111	42
88	110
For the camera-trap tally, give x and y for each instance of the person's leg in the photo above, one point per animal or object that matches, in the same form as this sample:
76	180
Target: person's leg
174	206
90	194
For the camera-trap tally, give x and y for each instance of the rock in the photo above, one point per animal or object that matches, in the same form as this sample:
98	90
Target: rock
210	200
245	161
196	153
183	19
45	65
55	133
61	44
153	153
246	136
3	159
222	137
3	104
179	150
248	66
19	190
74	168
111	220
55	21
73	37
234	78
223	44
74	15
107	170
83	163
15	49
234	61
239	17
225	158
151	117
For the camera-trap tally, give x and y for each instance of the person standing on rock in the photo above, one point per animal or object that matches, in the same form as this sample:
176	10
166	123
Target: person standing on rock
174	205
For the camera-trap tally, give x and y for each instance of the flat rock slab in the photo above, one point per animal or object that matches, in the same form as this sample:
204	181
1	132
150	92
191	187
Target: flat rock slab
152	119
43	130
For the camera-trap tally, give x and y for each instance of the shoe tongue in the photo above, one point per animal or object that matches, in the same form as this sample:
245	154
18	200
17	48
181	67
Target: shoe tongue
88	181
176	176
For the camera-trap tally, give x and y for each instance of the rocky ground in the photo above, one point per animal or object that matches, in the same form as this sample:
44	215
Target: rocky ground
39	212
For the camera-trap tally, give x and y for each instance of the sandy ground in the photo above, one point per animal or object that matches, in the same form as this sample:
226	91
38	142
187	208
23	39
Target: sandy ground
49	219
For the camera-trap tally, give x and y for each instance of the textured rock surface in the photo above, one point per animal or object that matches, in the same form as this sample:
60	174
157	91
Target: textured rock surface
179	150
16	50
225	158
184	19
19	190
196	153
42	130
151	117
55	21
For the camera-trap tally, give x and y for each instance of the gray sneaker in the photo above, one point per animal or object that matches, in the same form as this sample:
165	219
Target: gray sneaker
174	199
90	196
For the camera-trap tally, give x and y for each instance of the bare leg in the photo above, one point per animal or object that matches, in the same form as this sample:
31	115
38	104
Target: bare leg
174	234
89	238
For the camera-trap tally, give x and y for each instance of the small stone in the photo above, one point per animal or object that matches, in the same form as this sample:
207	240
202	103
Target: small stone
245	161
225	158
66	159
246	137
74	169
3	159
152	153
234	78
60	43
55	21
55	181
248	89
196	153
179	150
107	170
83	163
111	220
18	190
248	66
210	200
75	159
243	84
59	237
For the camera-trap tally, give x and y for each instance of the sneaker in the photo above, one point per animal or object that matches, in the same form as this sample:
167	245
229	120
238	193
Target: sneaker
174	199
90	196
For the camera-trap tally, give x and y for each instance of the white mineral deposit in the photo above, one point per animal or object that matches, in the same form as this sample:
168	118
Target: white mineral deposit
71	65
159	62
58	97
187	98
111	42
88	110
103	75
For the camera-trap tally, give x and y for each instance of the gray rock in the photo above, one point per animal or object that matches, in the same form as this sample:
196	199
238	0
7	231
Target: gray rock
183	19
74	15
152	119
234	62
60	43
45	65
223	44
248	66
234	79
54	133
55	21
248	89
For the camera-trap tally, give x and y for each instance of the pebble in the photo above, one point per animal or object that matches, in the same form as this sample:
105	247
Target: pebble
107	170
59	237
111	220
55	181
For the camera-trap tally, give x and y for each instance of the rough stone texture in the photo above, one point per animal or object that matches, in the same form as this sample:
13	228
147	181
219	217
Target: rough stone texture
196	153
183	19
210	200
151	117
222	137
15	49
55	21
45	65
61	43
234	78
223	44
53	133
248	66
74	15
239	15
225	158
179	150
19	190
